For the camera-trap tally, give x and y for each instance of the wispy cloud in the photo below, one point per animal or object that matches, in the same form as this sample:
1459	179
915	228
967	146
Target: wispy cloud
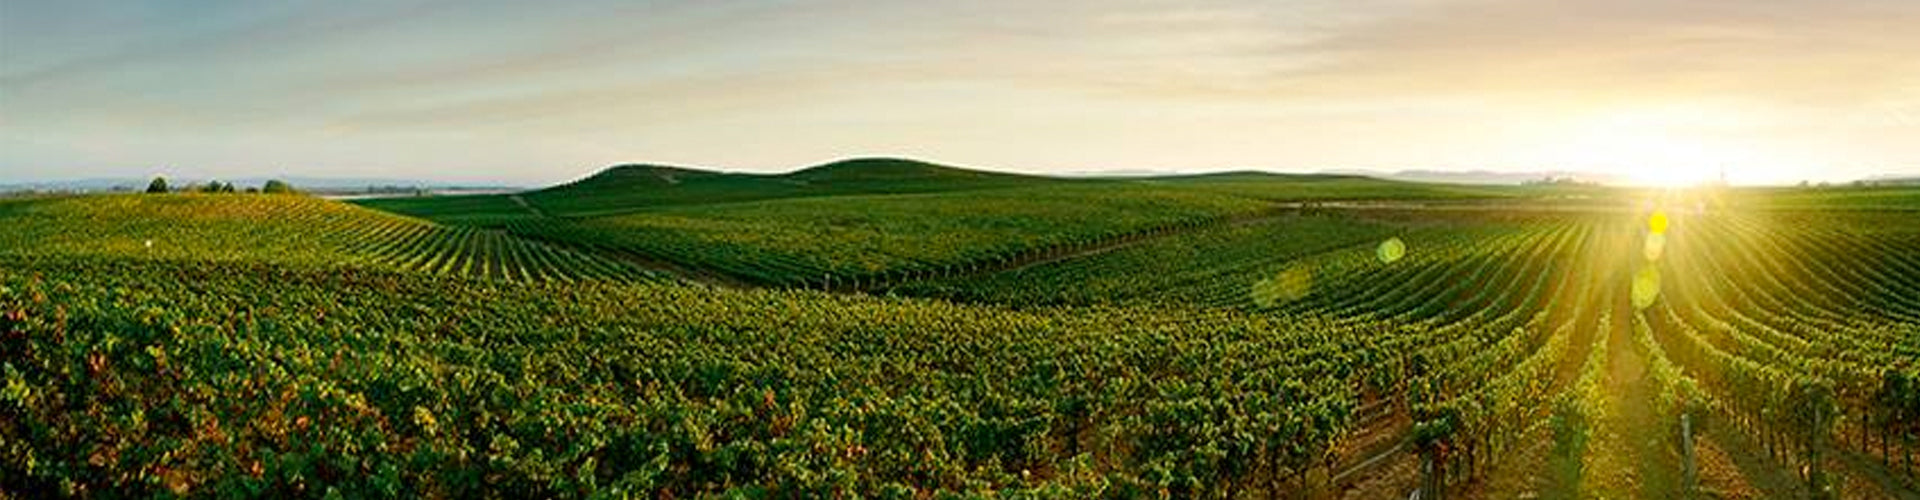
494	86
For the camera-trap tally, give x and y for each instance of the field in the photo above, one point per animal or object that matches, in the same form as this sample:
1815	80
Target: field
895	329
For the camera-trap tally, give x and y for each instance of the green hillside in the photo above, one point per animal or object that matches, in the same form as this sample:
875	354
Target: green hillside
629	187
485	210
282	230
868	220
802	241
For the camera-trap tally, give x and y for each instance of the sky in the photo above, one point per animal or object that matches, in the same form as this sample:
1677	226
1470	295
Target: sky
511	91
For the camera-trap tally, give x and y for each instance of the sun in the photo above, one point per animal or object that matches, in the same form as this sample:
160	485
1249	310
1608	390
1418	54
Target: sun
1659	147
1650	158
1665	164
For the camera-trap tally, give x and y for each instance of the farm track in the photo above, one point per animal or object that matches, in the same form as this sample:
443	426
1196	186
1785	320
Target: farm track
531	208
1521	471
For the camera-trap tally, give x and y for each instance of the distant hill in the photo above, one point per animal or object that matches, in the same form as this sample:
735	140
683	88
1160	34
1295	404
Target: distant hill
628	187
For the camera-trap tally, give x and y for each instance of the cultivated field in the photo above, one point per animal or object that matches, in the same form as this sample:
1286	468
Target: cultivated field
895	329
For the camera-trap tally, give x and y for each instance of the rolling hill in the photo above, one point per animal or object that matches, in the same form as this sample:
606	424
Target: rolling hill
629	187
881	219
286	230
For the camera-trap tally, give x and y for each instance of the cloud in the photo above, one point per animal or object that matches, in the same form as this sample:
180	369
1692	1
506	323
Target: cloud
1787	51
1066	84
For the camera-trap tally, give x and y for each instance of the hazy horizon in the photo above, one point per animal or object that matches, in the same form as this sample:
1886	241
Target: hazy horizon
1470	176
526	94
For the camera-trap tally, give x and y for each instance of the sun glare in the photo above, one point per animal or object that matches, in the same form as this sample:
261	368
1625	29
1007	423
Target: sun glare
1651	159
1657	147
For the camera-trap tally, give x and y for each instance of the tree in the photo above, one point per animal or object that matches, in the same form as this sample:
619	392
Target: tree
159	185
277	186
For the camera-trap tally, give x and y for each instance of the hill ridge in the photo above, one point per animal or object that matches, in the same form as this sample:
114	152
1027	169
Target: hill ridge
634	186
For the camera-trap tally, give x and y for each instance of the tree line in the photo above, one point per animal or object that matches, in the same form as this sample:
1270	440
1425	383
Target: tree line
274	186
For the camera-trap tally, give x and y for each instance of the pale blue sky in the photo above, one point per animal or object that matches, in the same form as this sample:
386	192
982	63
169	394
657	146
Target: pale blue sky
537	92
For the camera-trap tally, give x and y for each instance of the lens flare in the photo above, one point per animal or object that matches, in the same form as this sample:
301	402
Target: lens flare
1654	247
1391	250
1658	222
1646	287
1289	285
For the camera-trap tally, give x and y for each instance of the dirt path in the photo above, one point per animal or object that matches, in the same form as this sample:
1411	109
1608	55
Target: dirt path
1865	477
1379	458
1757	476
1745	470
1632	452
1523	470
1630	457
535	210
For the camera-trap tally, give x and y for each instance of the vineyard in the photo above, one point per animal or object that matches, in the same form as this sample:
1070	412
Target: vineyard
820	241
285	230
875	336
874	223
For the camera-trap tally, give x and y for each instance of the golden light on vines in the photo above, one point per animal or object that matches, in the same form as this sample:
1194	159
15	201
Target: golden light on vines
1646	287
1646	282
1289	285
1391	250
1654	247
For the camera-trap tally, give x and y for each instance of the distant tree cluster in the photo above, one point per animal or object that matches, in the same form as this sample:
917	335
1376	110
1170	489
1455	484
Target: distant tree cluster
1559	181
275	186
1886	182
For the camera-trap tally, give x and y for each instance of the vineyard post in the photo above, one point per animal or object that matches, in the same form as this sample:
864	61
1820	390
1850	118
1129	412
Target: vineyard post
1865	446
1428	489
1686	453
